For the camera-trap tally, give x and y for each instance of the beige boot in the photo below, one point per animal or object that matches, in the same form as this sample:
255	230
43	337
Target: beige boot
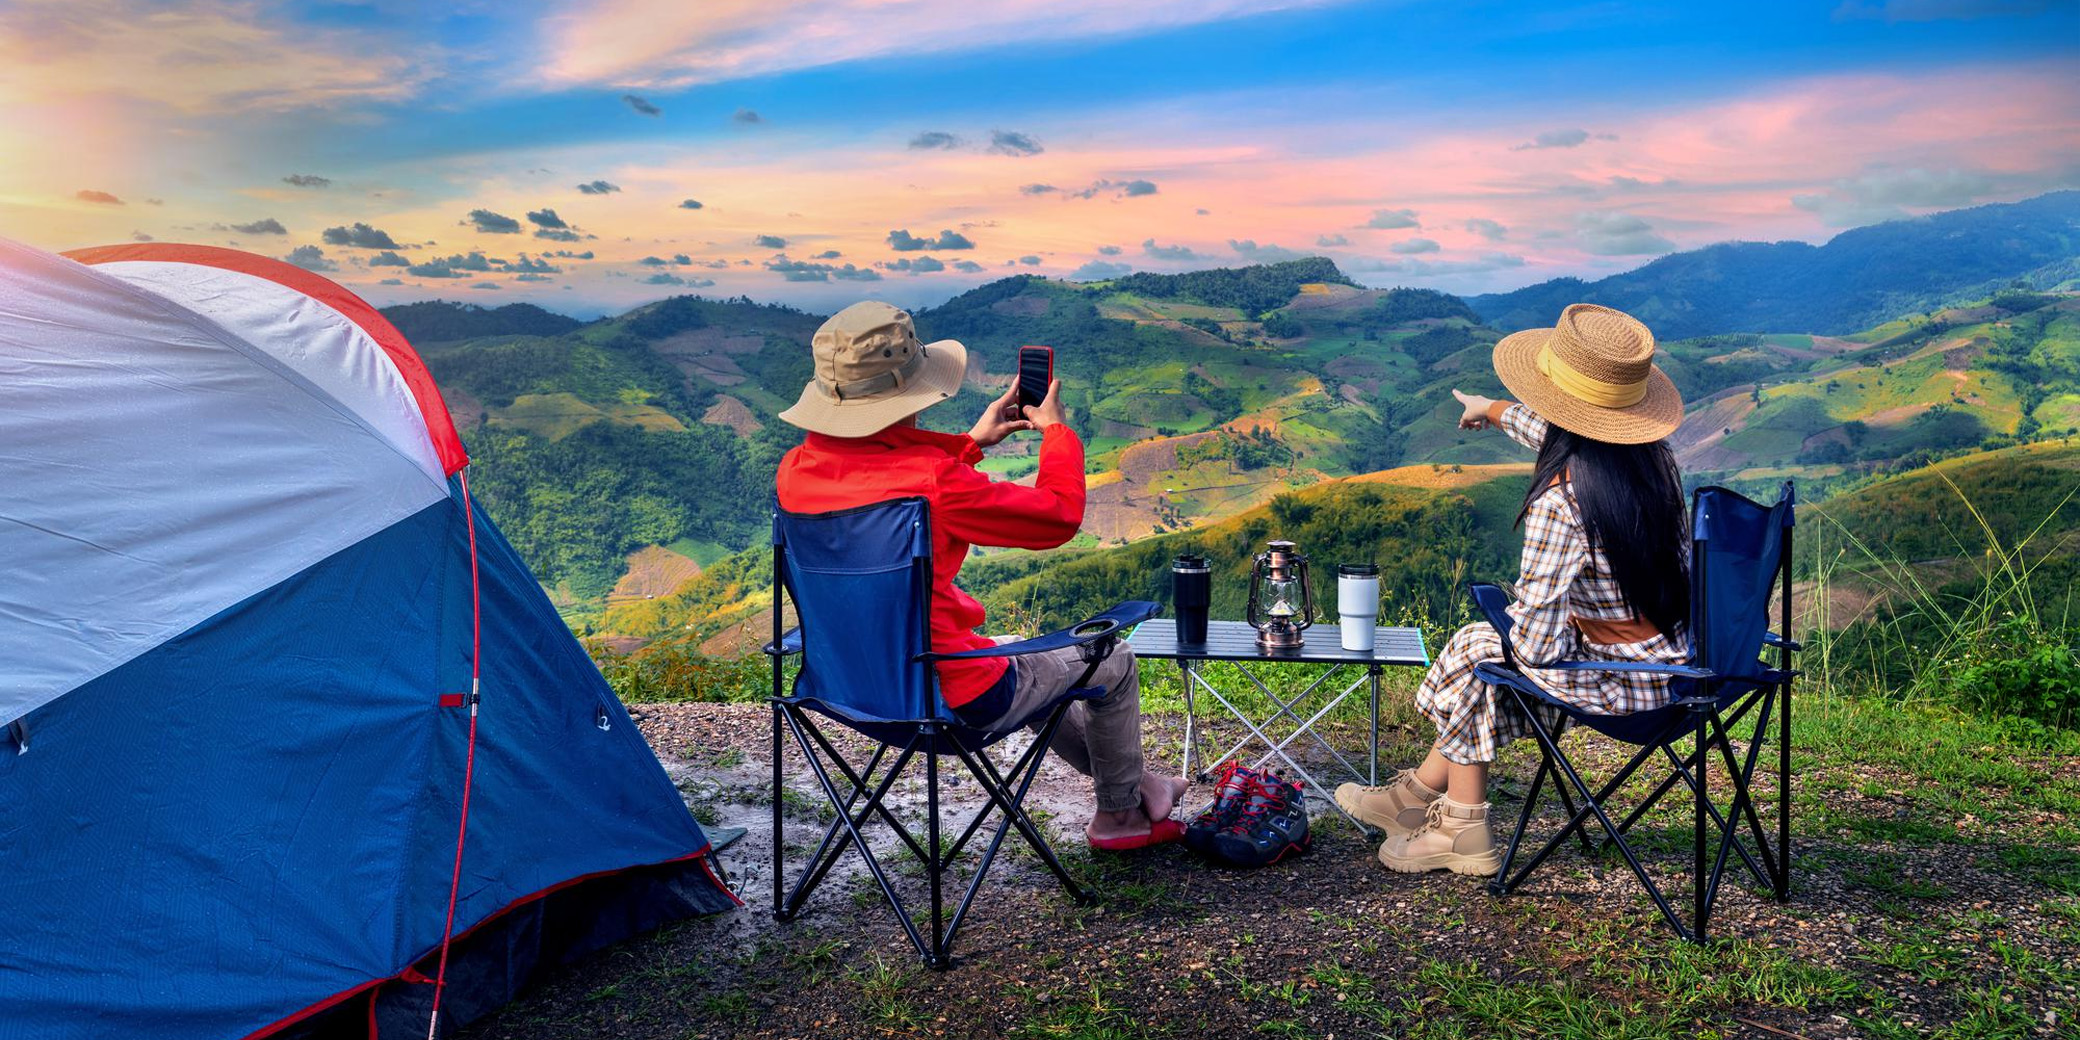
1397	808
1453	837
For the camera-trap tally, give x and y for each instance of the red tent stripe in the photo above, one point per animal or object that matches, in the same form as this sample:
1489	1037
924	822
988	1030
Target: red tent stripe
439	427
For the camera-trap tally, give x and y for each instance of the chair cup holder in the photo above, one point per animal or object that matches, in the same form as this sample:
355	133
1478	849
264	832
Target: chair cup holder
1095	627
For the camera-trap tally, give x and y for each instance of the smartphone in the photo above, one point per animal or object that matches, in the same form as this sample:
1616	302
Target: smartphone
1035	373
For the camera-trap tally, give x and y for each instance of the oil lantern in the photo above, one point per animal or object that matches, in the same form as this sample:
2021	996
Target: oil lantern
1280	604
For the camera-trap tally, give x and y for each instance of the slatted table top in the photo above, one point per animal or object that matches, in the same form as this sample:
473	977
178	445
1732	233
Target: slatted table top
1236	641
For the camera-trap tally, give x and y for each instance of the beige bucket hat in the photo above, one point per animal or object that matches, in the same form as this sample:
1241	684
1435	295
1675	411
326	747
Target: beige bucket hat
871	372
1592	374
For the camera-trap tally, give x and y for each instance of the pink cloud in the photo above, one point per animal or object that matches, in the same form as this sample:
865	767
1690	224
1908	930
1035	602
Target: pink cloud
1796	159
1645	181
643	43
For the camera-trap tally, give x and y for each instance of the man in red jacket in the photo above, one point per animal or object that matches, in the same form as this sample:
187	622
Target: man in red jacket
863	446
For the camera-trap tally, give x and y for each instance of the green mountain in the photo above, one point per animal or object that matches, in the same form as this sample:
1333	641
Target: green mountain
1994	372
656	428
625	456
1957	580
1860	278
591	444
435	321
1436	503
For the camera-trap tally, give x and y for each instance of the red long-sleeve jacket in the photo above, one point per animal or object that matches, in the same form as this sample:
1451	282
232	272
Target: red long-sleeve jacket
968	508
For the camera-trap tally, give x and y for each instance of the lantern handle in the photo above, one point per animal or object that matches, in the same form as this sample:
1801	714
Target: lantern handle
1249	612
1306	575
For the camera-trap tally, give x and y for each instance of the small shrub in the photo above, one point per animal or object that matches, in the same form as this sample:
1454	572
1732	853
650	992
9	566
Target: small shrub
2022	670
679	672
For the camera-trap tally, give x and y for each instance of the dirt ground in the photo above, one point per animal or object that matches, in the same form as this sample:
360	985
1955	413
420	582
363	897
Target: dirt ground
1913	915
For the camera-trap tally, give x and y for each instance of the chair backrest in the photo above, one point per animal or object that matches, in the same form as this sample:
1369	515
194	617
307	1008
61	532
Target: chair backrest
860	580
1738	549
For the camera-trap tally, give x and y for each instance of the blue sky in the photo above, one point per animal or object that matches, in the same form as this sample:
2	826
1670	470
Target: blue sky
1505	143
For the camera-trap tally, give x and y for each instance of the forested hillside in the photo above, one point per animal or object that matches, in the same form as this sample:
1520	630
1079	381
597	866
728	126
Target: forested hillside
437	321
1861	278
657	428
593	444
624	455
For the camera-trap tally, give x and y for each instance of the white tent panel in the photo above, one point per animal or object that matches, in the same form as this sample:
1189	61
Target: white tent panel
155	469
304	334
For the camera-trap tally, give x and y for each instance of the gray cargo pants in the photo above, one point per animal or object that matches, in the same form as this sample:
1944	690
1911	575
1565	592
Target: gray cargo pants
1101	739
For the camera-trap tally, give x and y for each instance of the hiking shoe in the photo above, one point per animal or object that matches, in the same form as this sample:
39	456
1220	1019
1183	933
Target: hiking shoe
1397	808
1271	826
1453	837
1231	790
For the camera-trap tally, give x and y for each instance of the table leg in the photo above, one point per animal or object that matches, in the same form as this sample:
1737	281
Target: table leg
1374	764
1285	710
1185	667
1314	787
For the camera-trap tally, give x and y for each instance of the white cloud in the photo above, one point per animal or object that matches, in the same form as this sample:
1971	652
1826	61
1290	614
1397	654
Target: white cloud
1426	268
1392	218
1934	10
1099	270
1618	234
204	56
1267	253
1491	230
1888	194
1170	252
638	43
1573	138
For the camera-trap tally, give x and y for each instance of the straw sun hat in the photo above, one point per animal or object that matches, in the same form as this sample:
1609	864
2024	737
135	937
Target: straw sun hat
871	372
1592	374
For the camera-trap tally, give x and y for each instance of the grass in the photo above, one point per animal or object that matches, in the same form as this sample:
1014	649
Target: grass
1946	829
558	415
699	551
2057	868
1090	1015
1993	640
884	996
1394	958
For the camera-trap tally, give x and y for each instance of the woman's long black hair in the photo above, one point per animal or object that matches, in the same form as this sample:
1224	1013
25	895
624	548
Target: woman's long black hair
1631	500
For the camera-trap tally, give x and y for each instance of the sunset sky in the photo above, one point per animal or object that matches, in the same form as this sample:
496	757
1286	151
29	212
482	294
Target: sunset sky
592	154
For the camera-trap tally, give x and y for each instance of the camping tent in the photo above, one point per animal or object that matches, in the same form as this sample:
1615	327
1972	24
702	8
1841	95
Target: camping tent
248	786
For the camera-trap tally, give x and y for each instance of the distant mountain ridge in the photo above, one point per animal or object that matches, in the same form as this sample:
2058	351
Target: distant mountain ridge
1861	278
439	321
642	443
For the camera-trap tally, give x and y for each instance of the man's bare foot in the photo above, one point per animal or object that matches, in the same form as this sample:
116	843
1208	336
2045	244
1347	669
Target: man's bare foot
1160	794
1105	826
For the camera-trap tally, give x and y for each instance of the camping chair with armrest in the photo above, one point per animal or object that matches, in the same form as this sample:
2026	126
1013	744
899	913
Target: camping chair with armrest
1739	550
860	580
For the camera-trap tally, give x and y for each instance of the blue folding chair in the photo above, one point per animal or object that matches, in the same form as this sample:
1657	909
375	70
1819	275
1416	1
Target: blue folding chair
1739	549
860	580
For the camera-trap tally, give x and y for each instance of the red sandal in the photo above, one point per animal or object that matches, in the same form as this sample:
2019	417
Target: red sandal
1165	831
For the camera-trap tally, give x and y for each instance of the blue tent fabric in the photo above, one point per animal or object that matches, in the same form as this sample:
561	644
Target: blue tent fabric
259	816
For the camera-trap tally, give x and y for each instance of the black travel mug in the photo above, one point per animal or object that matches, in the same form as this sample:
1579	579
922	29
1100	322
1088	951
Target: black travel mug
1191	589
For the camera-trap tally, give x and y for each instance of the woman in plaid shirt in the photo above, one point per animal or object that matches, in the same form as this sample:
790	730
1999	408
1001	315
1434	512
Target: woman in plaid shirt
1604	576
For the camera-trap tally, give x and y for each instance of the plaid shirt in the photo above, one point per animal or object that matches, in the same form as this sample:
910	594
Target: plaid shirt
1563	576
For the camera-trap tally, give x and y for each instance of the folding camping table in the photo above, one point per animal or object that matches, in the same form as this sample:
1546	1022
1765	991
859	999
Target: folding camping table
1236	642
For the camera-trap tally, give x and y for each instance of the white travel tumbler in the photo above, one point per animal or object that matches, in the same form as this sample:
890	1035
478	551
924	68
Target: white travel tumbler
1357	603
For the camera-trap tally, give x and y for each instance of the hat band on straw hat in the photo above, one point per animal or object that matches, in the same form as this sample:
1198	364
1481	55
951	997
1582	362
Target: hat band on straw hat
1586	388
894	379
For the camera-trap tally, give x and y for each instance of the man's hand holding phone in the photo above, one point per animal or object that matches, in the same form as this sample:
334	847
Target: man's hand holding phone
1049	411
1034	401
999	420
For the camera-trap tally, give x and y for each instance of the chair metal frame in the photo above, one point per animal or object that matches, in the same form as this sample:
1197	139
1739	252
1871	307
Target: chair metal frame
929	736
1706	708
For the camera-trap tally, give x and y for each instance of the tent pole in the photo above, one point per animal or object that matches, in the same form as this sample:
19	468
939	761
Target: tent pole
469	761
